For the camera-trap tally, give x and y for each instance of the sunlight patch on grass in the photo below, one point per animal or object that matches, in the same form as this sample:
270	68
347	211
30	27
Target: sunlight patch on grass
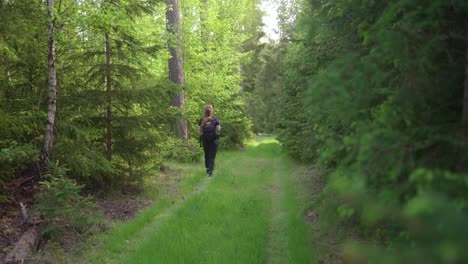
262	139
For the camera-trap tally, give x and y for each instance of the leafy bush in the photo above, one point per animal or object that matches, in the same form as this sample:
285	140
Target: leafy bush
234	134
84	164
178	150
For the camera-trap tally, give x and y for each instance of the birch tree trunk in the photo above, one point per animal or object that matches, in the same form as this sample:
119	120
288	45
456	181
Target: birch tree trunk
52	98
108	135
176	74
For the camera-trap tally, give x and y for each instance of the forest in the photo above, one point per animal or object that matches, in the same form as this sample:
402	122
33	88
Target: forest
101	98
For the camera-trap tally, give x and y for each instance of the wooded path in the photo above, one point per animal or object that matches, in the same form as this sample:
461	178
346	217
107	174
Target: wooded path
250	211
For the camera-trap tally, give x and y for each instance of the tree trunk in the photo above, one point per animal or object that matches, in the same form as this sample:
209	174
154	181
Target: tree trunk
108	99
176	74
465	95
52	102
465	91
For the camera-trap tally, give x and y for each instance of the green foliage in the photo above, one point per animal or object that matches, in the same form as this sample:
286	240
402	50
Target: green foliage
265	102
235	132
21	76
60	204
221	41
217	41
178	150
85	164
16	153
236	126
14	157
376	90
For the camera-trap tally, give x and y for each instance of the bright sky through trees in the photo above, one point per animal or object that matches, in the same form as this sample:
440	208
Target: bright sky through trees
270	19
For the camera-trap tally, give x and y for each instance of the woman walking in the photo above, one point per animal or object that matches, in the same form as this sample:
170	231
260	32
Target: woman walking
209	129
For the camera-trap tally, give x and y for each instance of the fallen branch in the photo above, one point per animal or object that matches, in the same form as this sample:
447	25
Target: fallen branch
24	247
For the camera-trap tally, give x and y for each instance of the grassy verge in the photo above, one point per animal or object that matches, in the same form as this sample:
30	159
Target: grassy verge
107	246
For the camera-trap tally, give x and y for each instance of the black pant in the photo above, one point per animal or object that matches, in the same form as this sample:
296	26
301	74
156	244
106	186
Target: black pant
210	147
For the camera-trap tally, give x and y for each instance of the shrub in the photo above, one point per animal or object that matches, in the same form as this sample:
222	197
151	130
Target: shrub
84	164
178	150
60	204
14	157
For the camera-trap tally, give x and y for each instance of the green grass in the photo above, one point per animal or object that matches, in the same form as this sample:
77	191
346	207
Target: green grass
122	235
247	213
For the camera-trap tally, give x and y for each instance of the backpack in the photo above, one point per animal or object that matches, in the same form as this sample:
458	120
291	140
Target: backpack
209	131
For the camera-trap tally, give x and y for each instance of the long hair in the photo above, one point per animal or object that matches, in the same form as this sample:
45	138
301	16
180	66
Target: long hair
208	116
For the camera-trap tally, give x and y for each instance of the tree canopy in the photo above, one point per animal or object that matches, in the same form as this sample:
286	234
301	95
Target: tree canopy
114	120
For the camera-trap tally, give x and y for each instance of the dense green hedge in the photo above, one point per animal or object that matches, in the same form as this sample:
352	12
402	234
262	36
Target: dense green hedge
376	88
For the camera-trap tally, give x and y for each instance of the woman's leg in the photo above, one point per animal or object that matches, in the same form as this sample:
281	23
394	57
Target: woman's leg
213	148
207	156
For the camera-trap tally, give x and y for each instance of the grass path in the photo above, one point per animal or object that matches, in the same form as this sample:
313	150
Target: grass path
248	212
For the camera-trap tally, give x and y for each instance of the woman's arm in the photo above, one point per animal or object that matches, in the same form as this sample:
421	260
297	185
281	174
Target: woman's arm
200	131
218	126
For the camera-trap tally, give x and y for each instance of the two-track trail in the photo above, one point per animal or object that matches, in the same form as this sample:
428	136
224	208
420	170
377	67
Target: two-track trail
248	212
